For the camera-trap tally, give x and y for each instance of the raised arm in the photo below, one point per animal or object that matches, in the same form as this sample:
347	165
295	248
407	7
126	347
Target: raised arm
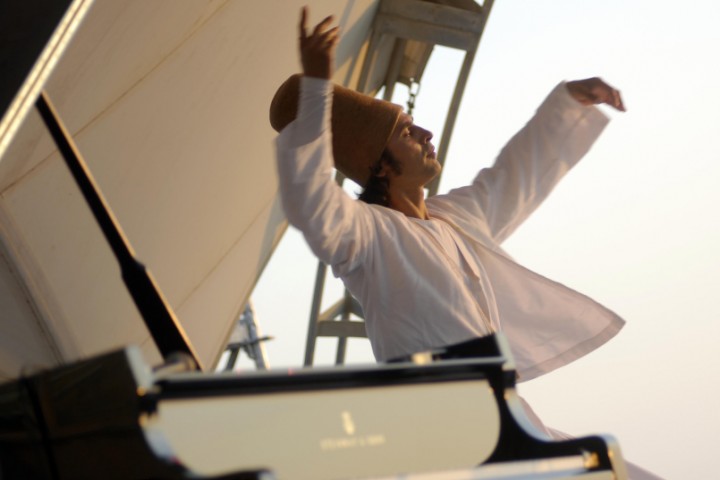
334	225
527	169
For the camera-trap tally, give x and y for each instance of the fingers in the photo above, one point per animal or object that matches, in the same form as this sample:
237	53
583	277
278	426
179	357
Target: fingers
320	35
317	46
593	91
303	23
322	25
330	37
617	101
608	95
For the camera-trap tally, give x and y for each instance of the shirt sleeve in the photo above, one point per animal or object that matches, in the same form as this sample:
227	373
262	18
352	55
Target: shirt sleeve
336	227
534	160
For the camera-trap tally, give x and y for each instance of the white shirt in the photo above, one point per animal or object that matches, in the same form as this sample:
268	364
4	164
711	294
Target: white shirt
428	283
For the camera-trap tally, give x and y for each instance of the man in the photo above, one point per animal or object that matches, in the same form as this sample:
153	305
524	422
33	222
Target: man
430	272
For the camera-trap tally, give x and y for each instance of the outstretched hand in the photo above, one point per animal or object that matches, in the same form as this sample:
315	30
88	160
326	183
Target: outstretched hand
317	50
593	91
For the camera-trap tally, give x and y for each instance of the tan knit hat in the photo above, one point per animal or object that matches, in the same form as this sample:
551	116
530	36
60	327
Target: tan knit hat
361	125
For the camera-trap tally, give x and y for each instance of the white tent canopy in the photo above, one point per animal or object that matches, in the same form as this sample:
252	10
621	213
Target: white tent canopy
167	102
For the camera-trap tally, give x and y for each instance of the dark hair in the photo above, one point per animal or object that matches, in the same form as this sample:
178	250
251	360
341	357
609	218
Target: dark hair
376	188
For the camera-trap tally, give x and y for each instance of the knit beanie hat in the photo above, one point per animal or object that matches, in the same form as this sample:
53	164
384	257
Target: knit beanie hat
361	125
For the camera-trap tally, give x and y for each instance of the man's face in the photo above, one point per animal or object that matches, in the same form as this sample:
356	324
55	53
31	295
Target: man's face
410	146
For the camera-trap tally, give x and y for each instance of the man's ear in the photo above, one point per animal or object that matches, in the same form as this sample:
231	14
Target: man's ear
385	170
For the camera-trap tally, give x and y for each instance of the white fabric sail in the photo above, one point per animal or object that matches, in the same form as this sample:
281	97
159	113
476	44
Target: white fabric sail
168	103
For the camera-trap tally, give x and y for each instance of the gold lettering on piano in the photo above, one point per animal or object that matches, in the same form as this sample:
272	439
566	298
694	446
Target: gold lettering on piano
348	423
351	440
360	441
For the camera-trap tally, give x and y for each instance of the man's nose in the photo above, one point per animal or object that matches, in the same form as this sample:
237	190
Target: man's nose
425	135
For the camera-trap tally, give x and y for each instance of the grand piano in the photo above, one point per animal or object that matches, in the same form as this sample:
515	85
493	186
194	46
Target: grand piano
448	414
133	401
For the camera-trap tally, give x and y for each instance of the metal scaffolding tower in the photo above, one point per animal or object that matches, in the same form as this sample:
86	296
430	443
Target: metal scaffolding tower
246	337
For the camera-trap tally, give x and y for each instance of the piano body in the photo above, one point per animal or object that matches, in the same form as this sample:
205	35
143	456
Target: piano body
438	415
91	77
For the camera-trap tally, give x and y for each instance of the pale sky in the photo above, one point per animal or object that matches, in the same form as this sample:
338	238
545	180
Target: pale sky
632	226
